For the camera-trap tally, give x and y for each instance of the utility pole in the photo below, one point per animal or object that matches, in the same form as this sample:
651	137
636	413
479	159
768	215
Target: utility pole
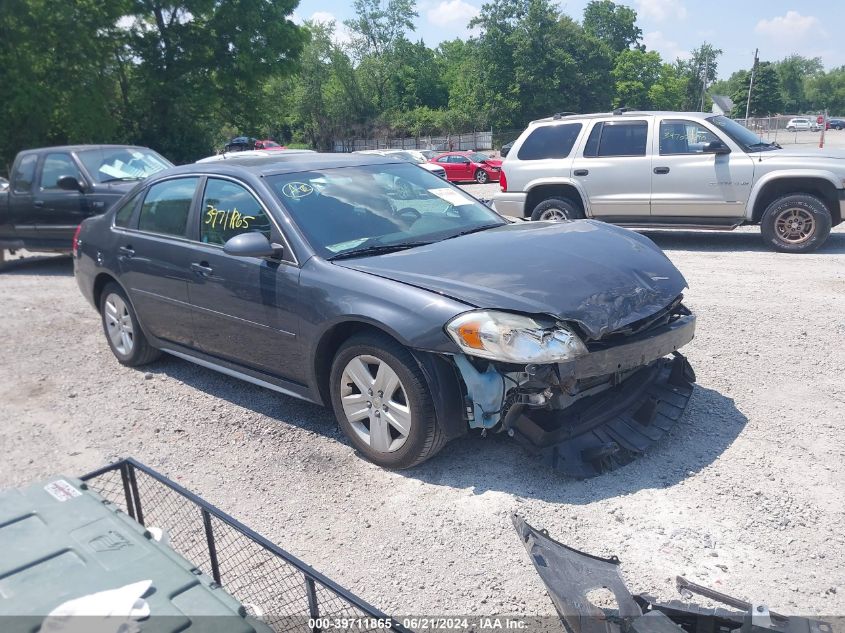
750	85
704	82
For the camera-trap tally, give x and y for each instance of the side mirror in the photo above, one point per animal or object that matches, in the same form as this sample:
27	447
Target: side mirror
251	244
716	147
69	183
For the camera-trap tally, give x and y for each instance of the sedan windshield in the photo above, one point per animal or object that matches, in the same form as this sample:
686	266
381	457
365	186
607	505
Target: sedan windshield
351	211
741	135
122	163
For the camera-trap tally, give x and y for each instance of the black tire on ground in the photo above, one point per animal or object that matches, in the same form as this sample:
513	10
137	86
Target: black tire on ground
140	351
564	208
481	177
796	223
425	437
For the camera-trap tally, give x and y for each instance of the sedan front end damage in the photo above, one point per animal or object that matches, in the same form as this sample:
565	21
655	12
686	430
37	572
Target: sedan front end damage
598	406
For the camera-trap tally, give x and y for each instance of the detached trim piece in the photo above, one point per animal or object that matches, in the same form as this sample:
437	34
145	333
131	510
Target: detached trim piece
570	576
609	430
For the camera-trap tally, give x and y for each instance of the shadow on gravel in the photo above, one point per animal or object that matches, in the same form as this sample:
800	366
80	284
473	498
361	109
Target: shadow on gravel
39	265
497	463
261	400
717	241
709	426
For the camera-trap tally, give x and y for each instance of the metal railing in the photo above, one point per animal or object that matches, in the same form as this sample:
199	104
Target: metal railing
272	584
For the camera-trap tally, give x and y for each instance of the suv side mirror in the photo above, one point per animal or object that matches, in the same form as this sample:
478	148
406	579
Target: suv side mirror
252	244
716	147
69	183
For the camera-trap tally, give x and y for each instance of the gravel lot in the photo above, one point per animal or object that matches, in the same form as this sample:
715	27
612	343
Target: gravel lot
747	495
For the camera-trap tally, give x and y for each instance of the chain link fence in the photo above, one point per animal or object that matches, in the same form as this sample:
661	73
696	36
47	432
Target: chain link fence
273	585
445	143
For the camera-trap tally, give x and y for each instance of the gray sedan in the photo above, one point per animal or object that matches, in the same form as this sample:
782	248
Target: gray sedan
417	313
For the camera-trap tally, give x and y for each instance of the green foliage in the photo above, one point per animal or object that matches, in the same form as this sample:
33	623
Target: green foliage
765	93
185	76
613	24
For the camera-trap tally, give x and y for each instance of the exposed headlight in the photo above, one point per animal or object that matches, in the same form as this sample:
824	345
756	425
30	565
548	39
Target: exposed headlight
513	338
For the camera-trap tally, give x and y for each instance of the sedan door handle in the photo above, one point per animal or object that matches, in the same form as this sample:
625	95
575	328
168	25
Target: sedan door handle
127	250
38	203
581	172
201	268
661	170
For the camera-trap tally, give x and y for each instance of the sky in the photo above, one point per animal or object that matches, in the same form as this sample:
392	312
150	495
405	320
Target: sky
671	27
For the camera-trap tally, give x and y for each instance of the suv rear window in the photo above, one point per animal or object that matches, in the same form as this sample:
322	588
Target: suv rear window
617	138
549	141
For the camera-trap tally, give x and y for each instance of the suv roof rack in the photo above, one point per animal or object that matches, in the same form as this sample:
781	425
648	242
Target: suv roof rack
560	115
618	111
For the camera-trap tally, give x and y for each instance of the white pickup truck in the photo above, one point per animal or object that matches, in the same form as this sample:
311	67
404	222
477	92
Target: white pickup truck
673	170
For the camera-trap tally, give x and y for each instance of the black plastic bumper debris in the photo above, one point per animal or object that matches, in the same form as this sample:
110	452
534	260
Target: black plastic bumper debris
609	430
571	576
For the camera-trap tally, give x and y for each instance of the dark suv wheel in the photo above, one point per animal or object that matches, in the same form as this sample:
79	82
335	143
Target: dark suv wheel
796	223
382	402
556	209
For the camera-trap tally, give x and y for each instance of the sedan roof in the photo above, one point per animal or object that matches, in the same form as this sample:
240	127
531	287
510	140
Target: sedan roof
284	163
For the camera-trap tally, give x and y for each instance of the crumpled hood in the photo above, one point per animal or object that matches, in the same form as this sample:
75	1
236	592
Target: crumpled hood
600	276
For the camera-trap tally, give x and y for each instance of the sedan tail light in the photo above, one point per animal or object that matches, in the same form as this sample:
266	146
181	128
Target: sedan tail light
503	181
75	242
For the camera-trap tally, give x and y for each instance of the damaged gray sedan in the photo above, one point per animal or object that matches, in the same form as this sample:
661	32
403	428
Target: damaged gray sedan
412	309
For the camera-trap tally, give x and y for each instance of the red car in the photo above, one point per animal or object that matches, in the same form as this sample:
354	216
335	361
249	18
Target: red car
469	166
268	144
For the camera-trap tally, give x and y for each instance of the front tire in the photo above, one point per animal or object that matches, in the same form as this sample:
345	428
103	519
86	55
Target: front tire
481	177
382	402
123	331
557	209
796	223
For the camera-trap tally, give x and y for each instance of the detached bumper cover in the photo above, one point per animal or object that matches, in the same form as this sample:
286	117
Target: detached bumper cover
570	576
609	430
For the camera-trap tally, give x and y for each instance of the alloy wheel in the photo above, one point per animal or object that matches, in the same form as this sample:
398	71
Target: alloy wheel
119	324
795	225
375	403
554	214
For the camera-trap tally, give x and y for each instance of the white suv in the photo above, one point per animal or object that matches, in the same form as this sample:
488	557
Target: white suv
800	123
672	169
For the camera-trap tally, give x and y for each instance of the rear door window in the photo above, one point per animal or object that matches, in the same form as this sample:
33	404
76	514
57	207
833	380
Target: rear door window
228	209
549	141
167	206
617	138
24	174
123	216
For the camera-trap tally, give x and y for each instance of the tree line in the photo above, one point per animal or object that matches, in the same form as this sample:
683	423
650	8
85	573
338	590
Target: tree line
184	76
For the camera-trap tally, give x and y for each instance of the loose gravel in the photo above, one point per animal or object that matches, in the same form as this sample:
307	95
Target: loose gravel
746	495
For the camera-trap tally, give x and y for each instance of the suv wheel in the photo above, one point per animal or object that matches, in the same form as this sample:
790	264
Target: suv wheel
797	223
123	332
382	402
481	177
556	209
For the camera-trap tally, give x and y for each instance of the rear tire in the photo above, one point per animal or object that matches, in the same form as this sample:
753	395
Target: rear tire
123	331
481	177
382	402
796	223
557	209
